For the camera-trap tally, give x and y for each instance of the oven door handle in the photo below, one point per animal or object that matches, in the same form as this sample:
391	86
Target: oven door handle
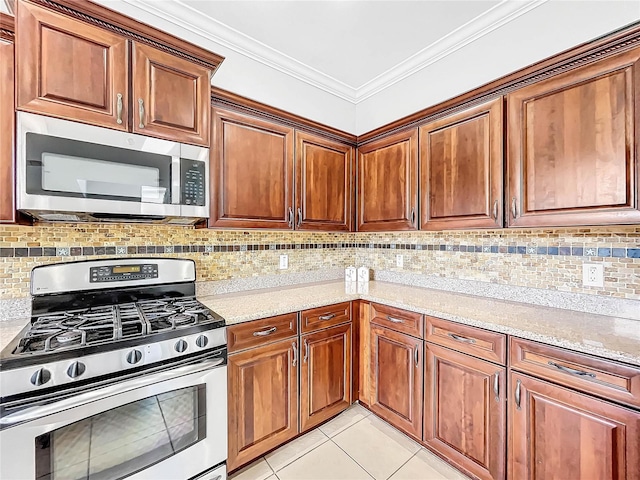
39	411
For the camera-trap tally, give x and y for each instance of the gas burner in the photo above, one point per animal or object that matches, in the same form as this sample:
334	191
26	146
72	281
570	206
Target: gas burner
179	319
70	336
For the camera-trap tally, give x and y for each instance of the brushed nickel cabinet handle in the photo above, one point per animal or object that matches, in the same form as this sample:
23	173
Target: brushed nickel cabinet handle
119	109
141	112
413	216
290	221
394	319
295	354
514	207
518	384
306	351
416	356
571	371
327	316
460	338
299	224
496	385
495	210
264	333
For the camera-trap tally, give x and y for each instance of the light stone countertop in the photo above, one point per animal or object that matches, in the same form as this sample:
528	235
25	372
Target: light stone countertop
606	336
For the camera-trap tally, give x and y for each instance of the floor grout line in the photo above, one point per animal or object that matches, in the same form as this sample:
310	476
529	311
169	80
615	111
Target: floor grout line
355	461
398	469
301	456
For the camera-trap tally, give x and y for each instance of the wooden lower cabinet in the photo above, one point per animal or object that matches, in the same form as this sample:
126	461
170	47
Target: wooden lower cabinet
396	379
262	400
556	433
325	375
465	411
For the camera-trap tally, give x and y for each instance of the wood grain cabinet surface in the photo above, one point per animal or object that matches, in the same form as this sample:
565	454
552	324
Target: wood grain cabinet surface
262	400
556	433
171	96
465	412
388	183
69	69
461	162
396	379
324	190
325	375
573	146
252	177
7	132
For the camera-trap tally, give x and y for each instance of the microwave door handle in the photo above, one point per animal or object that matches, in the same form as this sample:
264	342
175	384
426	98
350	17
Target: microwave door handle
176	181
39	411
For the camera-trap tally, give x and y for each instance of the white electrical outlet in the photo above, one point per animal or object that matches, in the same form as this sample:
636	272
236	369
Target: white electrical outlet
284	262
399	260
593	274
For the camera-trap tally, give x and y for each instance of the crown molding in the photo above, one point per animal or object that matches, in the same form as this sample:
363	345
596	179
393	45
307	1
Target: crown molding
185	16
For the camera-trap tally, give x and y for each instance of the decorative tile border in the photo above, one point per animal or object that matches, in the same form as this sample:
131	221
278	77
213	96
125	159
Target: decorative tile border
573	251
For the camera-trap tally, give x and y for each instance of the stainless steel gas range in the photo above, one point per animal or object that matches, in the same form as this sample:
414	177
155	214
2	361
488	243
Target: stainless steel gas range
121	373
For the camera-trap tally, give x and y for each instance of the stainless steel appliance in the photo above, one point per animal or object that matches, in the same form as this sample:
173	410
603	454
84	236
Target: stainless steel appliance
69	171
121	373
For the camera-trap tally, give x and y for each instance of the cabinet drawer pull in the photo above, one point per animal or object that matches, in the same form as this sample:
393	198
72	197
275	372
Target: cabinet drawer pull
290	220
306	351
119	109
394	319
495	210
514	207
518	383
264	333
571	371
141	112
416	356
496	385
459	338
295	354
326	316
299	224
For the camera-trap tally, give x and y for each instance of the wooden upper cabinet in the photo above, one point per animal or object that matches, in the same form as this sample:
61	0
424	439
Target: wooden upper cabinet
67	68
461	161
252	180
171	96
323	184
388	183
7	132
573	146
555	433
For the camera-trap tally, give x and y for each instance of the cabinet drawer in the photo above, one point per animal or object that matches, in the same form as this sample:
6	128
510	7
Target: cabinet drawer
608	379
323	317
397	319
260	332
480	343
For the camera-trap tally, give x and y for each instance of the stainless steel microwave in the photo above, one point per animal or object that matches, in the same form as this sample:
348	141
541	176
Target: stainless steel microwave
69	171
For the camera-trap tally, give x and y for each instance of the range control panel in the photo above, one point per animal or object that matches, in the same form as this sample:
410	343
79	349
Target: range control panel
118	273
192	182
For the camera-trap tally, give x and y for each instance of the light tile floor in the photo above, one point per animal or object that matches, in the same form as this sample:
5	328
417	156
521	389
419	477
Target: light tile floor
355	445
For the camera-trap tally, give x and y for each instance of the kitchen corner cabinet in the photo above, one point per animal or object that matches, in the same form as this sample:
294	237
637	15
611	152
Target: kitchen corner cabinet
388	183
555	432
252	181
461	162
573	146
465	411
324	172
7	131
74	70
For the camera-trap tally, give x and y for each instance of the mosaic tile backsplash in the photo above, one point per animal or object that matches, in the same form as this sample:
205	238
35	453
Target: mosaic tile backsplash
542	258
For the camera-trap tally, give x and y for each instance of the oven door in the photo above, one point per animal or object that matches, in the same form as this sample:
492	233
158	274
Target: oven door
166	425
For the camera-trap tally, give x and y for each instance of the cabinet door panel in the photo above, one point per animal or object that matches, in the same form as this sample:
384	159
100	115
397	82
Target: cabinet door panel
174	94
7	127
263	400
388	183
323	179
555	431
572	157
396	383
325	375
252	172
461	169
465	411
69	69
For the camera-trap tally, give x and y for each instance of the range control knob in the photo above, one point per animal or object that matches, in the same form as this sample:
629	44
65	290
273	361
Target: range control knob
202	341
76	369
180	346
134	356
40	377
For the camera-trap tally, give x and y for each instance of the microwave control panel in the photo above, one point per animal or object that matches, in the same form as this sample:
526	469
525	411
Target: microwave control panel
118	273
192	173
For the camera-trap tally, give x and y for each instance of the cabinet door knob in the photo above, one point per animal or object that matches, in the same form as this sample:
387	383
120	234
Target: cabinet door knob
141	112
119	109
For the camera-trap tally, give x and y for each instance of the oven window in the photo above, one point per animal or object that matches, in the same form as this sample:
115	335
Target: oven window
119	442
